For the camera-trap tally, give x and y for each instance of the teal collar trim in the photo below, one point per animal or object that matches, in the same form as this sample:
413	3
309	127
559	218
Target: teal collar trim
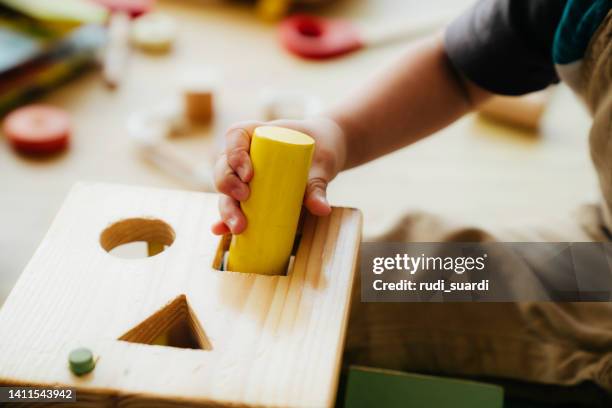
579	21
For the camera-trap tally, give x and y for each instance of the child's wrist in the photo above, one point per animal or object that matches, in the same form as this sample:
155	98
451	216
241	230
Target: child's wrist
327	125
349	139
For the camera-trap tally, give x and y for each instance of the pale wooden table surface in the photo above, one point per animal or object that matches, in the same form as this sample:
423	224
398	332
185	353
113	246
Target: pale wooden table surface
473	171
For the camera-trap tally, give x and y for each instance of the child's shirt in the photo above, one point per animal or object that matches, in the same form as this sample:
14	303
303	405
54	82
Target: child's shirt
517	46
512	47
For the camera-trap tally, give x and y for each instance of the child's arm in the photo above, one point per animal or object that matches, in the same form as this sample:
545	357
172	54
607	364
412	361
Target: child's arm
416	96
420	94
504	46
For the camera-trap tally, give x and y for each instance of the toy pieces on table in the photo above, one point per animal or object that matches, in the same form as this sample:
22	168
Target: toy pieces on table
272	9
156	123
22	39
199	105
197	87
65	60
197	176
153	32
117	48
282	104
320	38
38	129
149	130
370	387
134	8
522	111
198	100
61	13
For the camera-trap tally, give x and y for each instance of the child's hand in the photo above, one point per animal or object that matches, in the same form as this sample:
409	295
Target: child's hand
234	170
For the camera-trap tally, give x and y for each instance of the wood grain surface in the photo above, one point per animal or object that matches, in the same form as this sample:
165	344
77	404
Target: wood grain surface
261	340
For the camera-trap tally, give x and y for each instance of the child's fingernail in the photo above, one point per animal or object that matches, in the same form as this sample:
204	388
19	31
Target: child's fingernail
321	197
231	223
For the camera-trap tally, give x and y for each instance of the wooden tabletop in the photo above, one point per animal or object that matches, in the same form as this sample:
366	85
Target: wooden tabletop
475	171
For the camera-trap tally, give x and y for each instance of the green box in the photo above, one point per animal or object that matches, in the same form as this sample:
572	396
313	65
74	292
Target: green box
369	387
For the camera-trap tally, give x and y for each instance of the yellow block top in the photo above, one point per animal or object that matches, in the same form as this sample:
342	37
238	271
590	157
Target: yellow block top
284	135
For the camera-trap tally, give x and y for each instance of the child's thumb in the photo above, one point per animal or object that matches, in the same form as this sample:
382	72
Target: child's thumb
315	198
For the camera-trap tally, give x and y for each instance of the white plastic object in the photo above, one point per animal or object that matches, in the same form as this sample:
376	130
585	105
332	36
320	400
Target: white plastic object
154	32
287	104
149	130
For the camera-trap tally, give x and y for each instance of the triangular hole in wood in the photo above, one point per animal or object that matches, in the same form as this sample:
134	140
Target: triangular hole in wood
174	325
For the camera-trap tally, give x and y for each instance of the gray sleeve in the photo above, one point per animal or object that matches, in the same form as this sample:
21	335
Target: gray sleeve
505	46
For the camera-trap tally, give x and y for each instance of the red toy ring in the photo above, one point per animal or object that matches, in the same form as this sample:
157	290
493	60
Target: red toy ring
38	129
318	38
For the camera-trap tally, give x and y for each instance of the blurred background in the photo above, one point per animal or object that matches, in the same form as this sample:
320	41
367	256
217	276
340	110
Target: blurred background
482	170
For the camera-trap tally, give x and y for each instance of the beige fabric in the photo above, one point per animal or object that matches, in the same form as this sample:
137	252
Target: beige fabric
597	74
553	343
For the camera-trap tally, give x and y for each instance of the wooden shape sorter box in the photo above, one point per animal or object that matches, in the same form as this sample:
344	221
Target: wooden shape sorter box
171	329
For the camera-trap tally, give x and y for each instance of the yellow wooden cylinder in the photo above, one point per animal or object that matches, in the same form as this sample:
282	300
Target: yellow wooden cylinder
281	160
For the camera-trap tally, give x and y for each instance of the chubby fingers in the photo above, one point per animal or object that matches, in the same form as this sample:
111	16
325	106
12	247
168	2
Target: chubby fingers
238	143
232	219
237	146
233	170
228	182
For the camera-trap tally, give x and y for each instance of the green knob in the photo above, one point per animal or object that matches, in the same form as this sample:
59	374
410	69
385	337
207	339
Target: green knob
81	361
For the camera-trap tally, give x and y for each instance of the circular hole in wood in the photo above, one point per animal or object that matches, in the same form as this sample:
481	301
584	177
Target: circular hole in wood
137	238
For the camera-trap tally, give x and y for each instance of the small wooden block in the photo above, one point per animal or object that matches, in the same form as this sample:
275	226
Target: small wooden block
198	88
199	105
523	111
259	340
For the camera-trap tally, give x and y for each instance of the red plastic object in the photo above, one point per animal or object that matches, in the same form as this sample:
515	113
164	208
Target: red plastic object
132	7
38	129
318	38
